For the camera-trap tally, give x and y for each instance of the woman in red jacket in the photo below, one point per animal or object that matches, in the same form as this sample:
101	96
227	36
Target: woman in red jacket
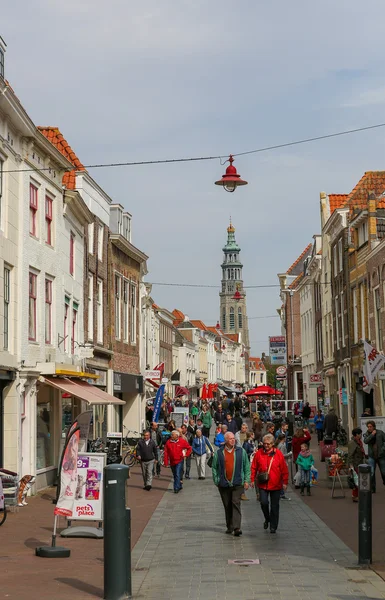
301	436
270	473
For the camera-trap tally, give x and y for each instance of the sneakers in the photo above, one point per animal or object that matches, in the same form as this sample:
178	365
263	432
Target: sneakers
244	497
285	498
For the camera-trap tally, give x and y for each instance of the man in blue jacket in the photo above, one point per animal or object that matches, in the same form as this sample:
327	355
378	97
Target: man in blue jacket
231	474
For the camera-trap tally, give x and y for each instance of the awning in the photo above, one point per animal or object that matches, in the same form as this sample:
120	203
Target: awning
81	389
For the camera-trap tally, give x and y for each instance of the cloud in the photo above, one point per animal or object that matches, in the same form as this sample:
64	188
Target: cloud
367	98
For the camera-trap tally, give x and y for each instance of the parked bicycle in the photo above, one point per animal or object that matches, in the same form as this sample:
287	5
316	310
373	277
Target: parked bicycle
9	487
129	444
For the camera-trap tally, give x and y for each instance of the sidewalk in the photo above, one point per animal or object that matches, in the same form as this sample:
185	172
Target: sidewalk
80	577
183	554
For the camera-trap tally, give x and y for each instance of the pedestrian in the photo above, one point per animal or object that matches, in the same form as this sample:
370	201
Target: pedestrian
305	461
283	429
375	439
301	436
220	415
156	437
188	436
231	474
257	427
356	456
331	424
200	446
270	473
270	428
240	436
238	420
231	424
147	453
194	412
248	444
171	425
207	420
281	444
219	440
175	451
199	424
306	412
192	426
319	425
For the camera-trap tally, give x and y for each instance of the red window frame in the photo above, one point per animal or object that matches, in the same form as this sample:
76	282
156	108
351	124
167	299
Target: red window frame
33	205
48	303
48	220
32	296
72	253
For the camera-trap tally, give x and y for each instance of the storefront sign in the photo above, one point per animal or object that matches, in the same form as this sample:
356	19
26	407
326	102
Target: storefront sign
315	380
127	383
152	374
88	505
277	350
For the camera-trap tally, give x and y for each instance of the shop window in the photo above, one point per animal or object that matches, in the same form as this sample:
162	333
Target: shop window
44	430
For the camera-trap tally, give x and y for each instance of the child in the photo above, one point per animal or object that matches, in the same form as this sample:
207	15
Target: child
305	461
248	444
281	445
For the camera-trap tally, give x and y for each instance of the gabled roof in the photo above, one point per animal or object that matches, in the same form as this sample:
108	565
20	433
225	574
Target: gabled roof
198	324
337	201
297	263
234	337
179	317
296	281
56	138
371	181
258	363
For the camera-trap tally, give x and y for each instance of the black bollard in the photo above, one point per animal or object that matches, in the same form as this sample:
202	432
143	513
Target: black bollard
364	515
117	535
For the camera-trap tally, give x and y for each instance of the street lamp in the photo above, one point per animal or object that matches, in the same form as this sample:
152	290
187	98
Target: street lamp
231	180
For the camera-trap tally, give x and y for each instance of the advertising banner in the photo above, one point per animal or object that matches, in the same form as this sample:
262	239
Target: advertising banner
68	477
88	504
374	361
158	403
277	350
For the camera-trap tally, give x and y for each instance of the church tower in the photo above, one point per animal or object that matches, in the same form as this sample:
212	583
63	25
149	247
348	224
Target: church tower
233	313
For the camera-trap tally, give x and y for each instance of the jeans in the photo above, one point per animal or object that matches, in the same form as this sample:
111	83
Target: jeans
320	435
201	465
381	465
186	471
147	471
177	471
305	477
231	498
272	515
206	431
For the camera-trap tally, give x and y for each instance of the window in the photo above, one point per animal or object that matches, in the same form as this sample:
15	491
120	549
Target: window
362	303
355	316
335	260
99	313
362	233
33	209
66	315
48	311
48	220
232	318
1	187
72	253
90	333
240	318
91	229
32	307
340	254
7	297
377	312
100	242
118	306
127	227
337	316
342	319
133	312
75	308
224	319
126	310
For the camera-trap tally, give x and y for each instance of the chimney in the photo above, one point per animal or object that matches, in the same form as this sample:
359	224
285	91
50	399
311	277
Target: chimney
3	48
372	219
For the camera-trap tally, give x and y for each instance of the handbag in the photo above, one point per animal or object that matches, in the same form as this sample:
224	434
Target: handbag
265	475
209	461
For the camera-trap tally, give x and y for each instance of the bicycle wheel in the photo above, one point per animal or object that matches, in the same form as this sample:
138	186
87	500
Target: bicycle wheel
3	515
129	459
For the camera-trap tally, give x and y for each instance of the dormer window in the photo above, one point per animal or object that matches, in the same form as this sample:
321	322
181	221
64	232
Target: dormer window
362	233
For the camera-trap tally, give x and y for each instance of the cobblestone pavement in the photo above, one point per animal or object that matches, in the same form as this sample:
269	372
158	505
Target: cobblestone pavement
183	554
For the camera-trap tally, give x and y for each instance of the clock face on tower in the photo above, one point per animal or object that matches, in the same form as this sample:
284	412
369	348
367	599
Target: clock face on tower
233	313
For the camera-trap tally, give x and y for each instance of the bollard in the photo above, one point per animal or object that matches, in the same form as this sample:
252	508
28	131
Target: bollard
117	535
364	515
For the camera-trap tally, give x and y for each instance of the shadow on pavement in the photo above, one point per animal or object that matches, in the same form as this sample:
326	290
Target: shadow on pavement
34	543
81	586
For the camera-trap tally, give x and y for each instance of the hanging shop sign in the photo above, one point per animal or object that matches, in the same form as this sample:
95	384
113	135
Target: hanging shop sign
315	380
277	350
88	505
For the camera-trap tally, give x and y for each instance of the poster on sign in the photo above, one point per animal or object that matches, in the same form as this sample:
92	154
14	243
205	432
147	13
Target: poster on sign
88	503
277	349
183	410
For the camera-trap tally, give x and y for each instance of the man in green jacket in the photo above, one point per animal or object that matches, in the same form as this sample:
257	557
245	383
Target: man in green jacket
231	475
375	439
206	421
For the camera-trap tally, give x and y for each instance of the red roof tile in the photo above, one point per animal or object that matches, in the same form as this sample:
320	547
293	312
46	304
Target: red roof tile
296	281
258	363
56	138
179	317
337	201
371	181
232	336
198	324
301	256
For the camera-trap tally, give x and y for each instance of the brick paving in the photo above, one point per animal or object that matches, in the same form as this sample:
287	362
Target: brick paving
184	553
80	577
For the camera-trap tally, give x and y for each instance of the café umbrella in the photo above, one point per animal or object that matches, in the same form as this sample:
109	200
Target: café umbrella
263	390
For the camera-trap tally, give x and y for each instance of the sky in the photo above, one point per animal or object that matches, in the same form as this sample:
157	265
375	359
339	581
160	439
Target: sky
150	80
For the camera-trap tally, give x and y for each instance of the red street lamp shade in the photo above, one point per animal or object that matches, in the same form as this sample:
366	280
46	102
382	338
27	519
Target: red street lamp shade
231	180
242	355
237	296
223	347
217	326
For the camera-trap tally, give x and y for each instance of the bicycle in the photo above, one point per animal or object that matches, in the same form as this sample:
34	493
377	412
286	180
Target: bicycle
9	487
129	444
3	507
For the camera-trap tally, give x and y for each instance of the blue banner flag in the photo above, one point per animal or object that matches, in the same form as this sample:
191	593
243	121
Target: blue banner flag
158	403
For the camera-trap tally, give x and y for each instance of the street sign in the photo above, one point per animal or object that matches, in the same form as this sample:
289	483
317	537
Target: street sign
281	371
315	380
152	374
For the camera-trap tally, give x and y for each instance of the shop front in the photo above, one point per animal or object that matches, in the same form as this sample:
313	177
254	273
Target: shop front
130	388
8	412
100	412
